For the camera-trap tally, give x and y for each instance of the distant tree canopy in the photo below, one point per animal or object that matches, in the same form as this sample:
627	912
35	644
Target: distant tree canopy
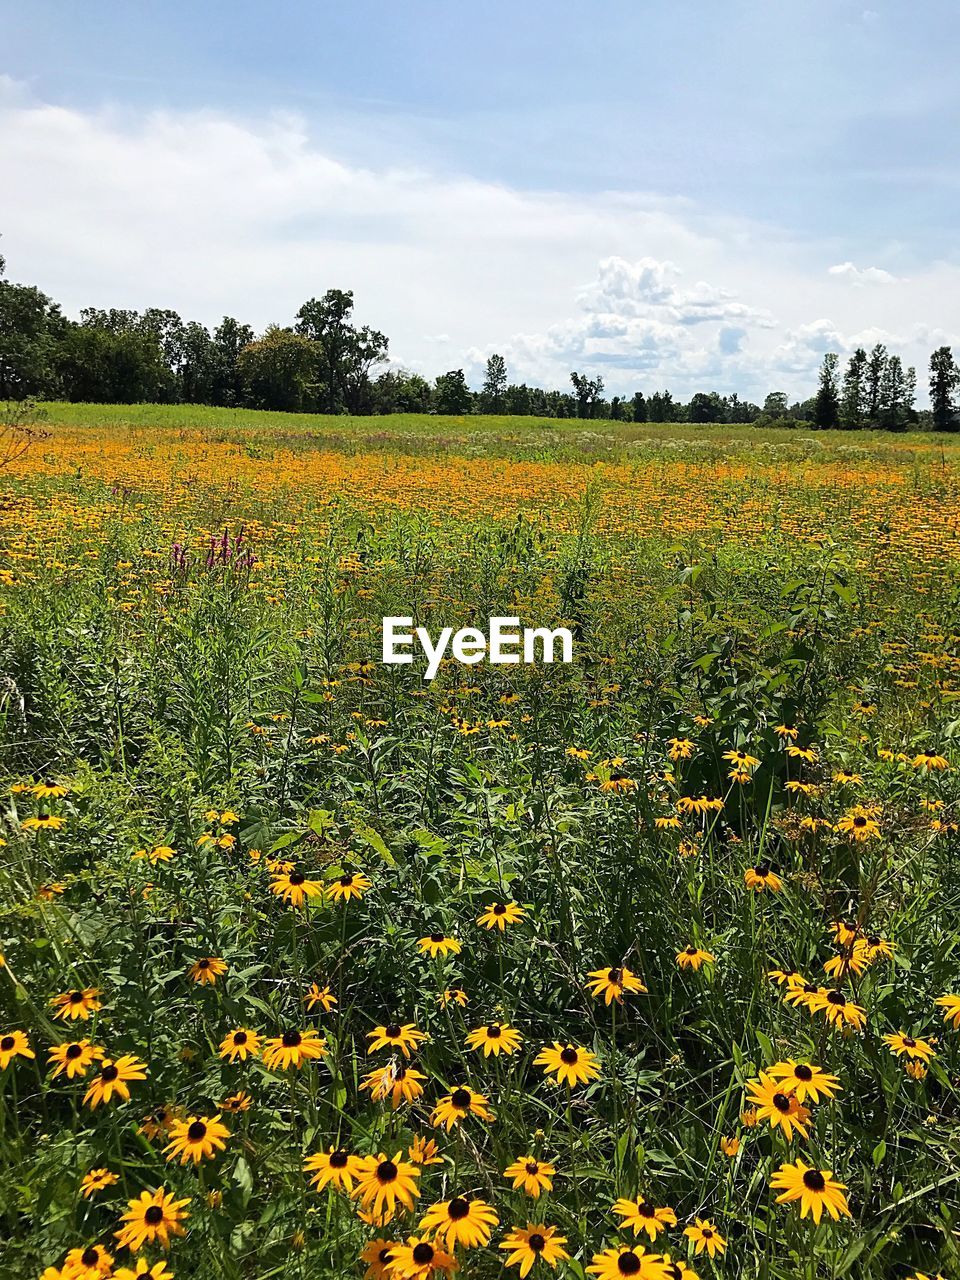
325	363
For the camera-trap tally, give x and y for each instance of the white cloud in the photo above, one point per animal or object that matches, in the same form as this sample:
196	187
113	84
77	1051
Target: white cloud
213	214
862	275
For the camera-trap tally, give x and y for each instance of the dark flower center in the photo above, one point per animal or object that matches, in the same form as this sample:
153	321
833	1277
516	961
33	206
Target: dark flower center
384	1256
76	997
873	940
197	1131
153	1215
458	1209
674	1272
909	1042
109	1073
423	1254
568	1056
628	1264
74	1051
7	1043
614	976
803	1072
460	1098
762	869
499	909
494	1030
859	822
536	1242
291	1039
240	1037
346	881
436	937
392	1030
338	1160
646	1210
691	951
814	1180
203	964
90	1257
836	997
707	1233
533	1167
386	1171
297	878
781	1102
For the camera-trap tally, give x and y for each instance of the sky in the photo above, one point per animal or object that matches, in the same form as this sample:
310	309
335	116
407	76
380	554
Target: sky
700	194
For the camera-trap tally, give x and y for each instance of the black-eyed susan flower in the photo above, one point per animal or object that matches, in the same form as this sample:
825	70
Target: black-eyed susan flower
437	944
96	1180
694	958
951	1009
930	762
859	825
351	885
536	1242
382	1183
292	1049
295	888
705	1237
838	1010
645	1217
499	914
321	996
334	1167
904	1046
395	1035
113	1079
730	1146
531	1176
144	1270
207	970
613	983
237	1102
49	790
152	1218
460	1221
396	1081
424	1151
774	1102
680	748
809	755
458	1104
196	1138
419	1259
494	1038
805	1080
786	977
90	1263
77	1004
14	1044
873	947
627	1261
44	822
816	1189
453	995
73	1058
379	1255
742	761
159	853
240	1043
567	1063
762	877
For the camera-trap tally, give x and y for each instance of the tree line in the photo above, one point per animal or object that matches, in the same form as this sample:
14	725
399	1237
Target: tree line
325	363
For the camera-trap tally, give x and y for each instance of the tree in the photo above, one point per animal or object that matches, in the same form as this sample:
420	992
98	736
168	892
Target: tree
494	384
343	354
639	406
31	328
588	393
944	381
776	405
894	409
277	370
827	408
706	408
451	393
229	339
616	409
876	364
111	365
661	408
853	398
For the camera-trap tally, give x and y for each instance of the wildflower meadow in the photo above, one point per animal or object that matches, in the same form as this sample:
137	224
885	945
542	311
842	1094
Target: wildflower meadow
644	965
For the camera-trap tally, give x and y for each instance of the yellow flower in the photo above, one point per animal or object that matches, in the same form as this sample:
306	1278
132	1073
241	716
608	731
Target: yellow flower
292	1049
705	1237
693	957
531	1244
530	1175
499	914
628	1261
902	1045
458	1104
494	1038
152	1218
79	1003
241	1043
568	1063
114	1078
352	885
14	1044
643	1216
334	1167
382	1183
197	1138
96	1180
460	1221
207	970
396	1081
613	983
395	1035
816	1189
436	944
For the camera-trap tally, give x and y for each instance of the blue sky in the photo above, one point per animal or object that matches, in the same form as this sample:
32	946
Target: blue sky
694	194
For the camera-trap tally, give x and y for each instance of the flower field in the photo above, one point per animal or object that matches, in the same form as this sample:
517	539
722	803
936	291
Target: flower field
646	965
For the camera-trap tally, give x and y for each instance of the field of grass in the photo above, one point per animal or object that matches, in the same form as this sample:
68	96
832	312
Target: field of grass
629	967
